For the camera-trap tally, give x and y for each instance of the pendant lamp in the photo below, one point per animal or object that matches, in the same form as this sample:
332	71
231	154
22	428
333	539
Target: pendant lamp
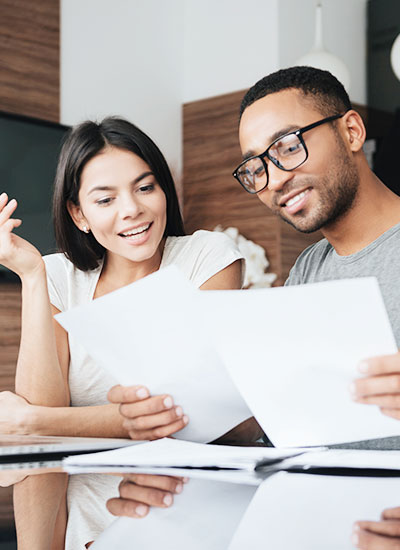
319	58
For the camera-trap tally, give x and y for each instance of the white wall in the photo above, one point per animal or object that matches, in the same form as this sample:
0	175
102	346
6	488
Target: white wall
125	57
228	45
143	58
344	32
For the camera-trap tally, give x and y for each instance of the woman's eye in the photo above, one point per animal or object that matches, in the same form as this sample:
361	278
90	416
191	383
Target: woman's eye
147	188
104	202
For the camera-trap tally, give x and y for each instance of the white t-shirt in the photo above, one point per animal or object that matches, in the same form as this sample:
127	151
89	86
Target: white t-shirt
199	257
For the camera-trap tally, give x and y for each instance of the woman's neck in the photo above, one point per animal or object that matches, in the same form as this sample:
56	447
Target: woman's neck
118	271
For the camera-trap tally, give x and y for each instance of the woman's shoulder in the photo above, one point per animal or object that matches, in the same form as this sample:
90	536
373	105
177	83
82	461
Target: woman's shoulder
200	240
58	263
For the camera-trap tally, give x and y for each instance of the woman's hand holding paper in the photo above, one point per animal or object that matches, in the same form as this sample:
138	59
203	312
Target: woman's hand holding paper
147	417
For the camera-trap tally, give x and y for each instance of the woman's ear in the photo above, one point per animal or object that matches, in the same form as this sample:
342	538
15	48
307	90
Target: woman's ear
354	129
77	217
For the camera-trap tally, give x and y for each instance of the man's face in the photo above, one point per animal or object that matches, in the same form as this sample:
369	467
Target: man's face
320	191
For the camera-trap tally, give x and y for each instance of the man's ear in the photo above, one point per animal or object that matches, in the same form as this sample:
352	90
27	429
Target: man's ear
76	214
354	129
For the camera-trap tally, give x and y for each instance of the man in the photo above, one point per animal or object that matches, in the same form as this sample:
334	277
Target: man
302	155
302	150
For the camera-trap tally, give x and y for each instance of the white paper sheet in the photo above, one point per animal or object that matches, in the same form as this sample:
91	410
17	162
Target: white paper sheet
311	512
148	333
293	352
171	452
347	458
204	516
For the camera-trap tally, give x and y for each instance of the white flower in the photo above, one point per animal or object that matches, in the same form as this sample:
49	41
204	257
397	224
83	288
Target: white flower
255	257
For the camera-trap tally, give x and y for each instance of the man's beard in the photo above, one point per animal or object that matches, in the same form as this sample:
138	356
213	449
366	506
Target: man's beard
337	192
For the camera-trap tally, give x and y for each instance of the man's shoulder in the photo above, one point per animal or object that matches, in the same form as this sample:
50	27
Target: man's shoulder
308	261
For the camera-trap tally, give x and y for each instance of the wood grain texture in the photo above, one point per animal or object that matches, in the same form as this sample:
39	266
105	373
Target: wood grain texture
10	331
30	58
212	196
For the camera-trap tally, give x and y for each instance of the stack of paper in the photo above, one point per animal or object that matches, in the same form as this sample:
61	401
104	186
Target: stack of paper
291	352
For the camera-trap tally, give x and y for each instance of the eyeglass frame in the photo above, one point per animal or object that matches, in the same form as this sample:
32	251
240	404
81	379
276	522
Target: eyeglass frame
299	134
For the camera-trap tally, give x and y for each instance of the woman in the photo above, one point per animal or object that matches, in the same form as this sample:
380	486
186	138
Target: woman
117	219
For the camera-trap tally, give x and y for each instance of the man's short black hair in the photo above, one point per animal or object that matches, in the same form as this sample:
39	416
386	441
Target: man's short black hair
320	86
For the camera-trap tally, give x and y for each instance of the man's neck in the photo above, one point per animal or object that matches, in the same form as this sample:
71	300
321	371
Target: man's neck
375	210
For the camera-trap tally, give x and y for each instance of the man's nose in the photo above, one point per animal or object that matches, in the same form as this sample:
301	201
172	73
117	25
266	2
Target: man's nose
277	177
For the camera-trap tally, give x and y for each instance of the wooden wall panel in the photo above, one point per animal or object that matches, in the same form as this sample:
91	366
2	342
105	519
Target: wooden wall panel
212	196
29	58
10	329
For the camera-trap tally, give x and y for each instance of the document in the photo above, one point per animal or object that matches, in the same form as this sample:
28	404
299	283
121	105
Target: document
167	455
203	516
293	352
310	512
149	333
172	452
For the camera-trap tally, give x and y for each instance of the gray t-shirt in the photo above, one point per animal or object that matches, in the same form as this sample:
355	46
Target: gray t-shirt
381	259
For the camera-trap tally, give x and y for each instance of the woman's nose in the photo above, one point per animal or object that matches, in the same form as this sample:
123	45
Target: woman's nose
130	207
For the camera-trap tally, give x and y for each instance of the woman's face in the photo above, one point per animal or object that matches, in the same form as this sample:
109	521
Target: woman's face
122	204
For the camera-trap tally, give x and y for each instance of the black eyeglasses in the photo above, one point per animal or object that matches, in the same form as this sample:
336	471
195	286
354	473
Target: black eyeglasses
287	152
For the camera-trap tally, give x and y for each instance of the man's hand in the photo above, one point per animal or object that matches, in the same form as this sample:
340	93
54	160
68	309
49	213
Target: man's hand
137	492
147	417
378	535
380	384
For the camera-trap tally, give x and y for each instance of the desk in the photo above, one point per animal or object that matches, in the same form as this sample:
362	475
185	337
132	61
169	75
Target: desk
45	482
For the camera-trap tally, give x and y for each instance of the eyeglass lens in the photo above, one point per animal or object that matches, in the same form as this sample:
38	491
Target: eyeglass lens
286	153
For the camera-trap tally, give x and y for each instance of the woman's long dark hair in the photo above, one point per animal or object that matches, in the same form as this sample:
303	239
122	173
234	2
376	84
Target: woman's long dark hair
82	144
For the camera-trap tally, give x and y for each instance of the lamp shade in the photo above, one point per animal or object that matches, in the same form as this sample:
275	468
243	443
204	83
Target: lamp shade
319	58
328	62
395	56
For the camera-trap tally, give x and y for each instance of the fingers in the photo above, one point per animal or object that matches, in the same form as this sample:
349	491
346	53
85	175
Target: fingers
393	413
391	513
152	420
366	539
376	385
384	364
165	483
140	491
6	209
127	394
158	432
147	417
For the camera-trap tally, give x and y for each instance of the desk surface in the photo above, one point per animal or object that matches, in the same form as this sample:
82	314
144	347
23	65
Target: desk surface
206	510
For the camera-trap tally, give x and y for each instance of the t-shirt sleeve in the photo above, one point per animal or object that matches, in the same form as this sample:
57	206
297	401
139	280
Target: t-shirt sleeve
211	252
57	280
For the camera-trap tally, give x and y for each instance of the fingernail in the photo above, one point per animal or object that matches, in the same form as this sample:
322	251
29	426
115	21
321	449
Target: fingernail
353	390
179	488
185	479
141	393
363	366
185	419
167	500
178	411
141	510
168	402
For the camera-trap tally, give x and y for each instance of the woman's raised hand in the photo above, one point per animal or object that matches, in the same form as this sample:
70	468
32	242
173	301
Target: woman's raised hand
147	417
15	253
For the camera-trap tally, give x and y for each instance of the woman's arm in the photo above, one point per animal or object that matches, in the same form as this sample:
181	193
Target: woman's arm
229	278
39	378
40	511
